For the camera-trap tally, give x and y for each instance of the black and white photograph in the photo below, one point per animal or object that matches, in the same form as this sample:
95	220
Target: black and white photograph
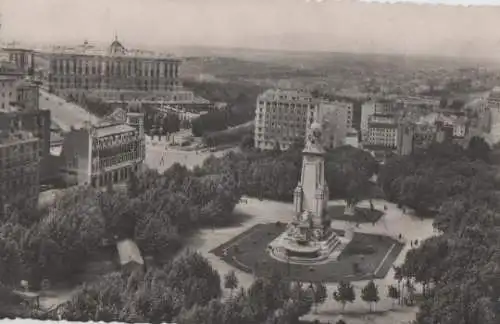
249	162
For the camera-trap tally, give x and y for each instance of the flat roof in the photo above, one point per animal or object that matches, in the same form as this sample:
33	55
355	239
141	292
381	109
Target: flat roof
92	52
104	130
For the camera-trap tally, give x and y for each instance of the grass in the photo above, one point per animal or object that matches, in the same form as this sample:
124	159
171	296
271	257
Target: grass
361	215
359	260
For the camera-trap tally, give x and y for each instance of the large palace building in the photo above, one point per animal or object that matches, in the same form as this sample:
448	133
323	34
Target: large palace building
74	71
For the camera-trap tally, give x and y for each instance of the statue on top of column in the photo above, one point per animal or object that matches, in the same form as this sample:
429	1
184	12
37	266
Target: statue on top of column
314	140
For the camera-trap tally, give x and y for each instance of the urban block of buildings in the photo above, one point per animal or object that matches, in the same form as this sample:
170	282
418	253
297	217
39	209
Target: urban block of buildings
282	117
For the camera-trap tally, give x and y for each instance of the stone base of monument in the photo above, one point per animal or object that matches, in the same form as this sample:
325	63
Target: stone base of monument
288	248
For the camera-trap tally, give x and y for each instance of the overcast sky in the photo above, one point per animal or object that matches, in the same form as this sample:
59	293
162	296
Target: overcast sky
278	24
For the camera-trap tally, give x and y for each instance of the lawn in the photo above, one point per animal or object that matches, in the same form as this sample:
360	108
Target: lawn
361	215
247	252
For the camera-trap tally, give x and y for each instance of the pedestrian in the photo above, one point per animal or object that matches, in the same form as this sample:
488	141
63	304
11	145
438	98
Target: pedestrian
411	243
416	242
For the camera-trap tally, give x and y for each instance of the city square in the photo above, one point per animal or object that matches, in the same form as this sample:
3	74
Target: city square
253	170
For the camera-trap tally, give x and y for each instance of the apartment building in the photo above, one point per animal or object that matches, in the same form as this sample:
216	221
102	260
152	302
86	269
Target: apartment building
103	154
382	131
373	107
387	133
8	90
19	165
282	117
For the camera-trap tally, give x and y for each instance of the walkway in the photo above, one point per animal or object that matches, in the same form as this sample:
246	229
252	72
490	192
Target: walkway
392	223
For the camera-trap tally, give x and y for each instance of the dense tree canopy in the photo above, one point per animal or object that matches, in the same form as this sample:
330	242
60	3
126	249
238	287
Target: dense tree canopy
275	174
459	268
426	178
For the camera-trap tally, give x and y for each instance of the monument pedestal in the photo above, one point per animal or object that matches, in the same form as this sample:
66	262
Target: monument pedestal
307	240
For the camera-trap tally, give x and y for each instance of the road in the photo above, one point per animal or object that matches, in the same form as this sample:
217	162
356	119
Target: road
171	155
65	114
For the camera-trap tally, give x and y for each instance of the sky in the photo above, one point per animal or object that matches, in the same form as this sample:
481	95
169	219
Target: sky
327	25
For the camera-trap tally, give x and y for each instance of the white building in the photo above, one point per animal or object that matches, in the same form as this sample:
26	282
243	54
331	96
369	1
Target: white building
367	109
382	132
282	117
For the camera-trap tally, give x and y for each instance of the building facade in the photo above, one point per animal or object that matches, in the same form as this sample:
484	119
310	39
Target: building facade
8	90
104	154
37	122
19	166
382	132
370	108
385	133
23	59
80	70
282	117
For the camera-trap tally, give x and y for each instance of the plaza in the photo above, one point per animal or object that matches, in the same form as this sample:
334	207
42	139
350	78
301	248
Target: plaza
386	220
373	253
394	222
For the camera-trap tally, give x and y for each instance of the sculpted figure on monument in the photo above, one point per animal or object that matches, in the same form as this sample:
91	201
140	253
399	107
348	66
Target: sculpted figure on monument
314	136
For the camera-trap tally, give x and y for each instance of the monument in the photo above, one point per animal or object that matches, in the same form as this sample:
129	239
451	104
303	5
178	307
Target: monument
309	237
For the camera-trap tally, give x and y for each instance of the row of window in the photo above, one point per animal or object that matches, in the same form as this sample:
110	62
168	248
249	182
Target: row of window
114	68
113	176
114	160
117	85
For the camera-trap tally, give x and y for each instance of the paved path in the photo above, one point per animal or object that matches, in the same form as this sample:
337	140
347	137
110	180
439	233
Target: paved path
65	114
392	223
156	150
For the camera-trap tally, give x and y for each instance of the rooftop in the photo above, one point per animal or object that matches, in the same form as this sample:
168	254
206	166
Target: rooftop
381	125
116	49
128	251
106	129
286	94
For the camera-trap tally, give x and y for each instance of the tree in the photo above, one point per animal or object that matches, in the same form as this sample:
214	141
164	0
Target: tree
478	149
393	293
247	142
344	294
369	294
231	281
319	293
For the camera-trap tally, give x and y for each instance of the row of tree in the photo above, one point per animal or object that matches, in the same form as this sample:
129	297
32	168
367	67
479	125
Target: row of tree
274	174
161	124
156	211
459	269
239	96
